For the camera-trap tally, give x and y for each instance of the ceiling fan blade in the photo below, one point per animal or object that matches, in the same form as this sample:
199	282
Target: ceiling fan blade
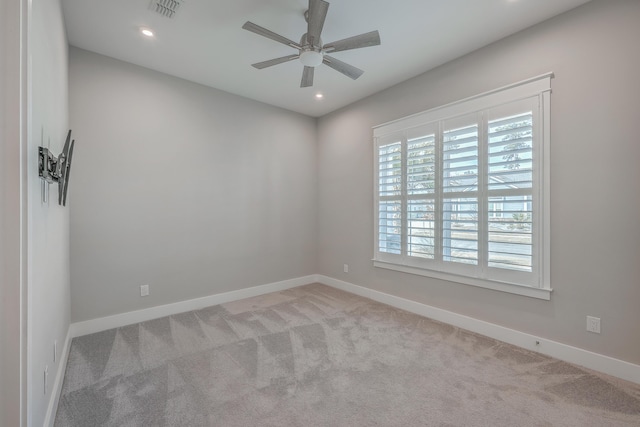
315	21
344	68
276	61
254	28
363	40
307	77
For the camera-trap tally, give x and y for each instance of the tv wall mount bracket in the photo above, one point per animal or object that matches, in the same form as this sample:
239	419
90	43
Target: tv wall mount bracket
56	169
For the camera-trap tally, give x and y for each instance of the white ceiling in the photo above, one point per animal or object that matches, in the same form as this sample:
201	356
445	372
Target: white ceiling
205	43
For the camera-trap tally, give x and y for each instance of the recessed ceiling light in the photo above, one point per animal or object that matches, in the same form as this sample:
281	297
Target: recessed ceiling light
146	32
319	96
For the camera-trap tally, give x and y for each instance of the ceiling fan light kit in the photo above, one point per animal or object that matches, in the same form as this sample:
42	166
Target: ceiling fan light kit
311	51
311	58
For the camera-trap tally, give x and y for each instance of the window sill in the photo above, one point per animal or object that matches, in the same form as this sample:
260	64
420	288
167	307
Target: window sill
540	293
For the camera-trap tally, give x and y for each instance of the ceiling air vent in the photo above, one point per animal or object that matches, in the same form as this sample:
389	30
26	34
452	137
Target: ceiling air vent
167	8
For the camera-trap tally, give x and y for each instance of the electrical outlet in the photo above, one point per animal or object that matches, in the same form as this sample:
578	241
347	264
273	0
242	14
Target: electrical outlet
593	324
144	290
345	268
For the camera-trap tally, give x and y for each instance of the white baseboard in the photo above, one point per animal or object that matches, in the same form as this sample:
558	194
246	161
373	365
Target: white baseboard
104	323
597	362
50	416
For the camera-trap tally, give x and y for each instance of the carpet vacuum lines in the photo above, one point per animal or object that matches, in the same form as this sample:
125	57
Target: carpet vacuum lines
318	356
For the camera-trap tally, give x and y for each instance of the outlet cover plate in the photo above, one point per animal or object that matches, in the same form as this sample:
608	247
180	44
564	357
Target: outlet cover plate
593	324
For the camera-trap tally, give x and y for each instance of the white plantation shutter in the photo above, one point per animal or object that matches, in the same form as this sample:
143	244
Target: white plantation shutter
390	191
460	159
510	183
421	187
390	227
511	151
421	228
460	151
510	235
461	191
421	164
460	230
390	169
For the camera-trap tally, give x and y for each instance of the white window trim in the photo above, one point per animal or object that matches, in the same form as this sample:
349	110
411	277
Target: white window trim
512	288
539	86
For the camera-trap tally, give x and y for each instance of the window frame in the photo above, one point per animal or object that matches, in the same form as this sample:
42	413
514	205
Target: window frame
536	88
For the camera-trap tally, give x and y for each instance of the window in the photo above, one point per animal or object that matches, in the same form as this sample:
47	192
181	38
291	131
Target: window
461	191
496	207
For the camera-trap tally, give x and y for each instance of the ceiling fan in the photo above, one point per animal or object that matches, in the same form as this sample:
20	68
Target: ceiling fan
311	51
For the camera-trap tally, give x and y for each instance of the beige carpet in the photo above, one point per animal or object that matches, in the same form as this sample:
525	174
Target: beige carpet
317	356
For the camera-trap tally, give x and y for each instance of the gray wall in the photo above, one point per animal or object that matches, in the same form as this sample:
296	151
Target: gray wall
186	188
595	200
48	229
